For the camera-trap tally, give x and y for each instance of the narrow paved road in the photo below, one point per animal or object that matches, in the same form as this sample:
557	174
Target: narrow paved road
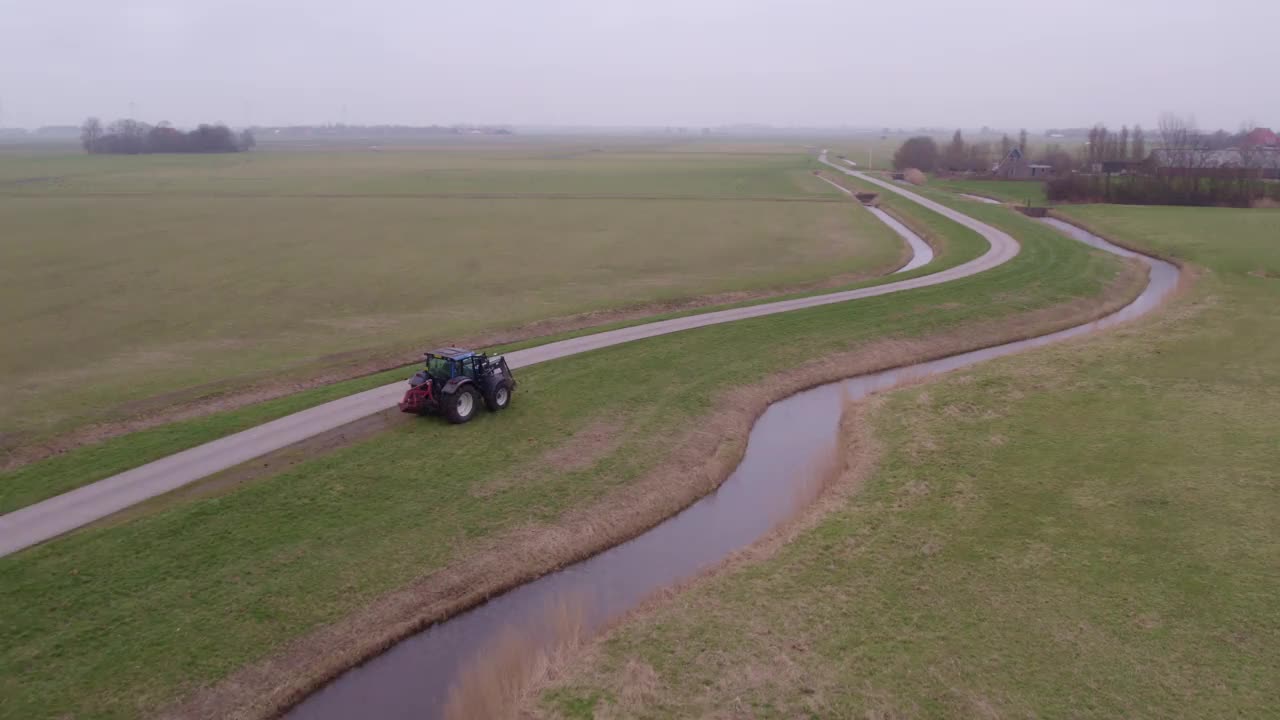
57	515
921	253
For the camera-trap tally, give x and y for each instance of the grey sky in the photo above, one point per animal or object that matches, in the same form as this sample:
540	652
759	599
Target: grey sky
1005	63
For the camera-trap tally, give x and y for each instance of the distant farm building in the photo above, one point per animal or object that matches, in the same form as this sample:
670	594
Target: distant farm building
1119	167
1261	137
1016	166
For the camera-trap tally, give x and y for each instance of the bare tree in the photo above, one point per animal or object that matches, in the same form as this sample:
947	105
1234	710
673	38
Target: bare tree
1101	144
128	137
1176	132
956	156
1058	159
1006	144
1180	155
980	157
1022	141
131	137
1122	144
90	134
1138	145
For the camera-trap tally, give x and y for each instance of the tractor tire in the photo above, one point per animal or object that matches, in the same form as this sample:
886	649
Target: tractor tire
500	398
462	405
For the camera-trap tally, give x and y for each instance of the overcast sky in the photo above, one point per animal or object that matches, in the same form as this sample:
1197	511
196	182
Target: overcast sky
1004	63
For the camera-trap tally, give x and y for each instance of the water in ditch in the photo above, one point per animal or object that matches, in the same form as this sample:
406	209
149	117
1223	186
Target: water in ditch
413	679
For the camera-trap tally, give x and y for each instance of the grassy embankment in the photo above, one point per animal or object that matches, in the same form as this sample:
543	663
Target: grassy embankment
1087	530
131	285
116	620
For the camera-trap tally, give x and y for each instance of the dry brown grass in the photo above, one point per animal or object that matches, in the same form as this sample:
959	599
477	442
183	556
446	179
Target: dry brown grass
914	176
831	481
695	466
516	665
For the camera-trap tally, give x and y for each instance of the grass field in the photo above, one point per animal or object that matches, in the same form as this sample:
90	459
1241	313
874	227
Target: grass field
116	620
1224	239
145	282
68	470
1012	191
1085	531
582	167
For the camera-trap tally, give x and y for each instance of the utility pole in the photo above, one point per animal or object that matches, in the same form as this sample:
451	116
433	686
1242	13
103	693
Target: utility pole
868	158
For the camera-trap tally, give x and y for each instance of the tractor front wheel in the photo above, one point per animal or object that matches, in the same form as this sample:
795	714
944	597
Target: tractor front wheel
462	405
500	398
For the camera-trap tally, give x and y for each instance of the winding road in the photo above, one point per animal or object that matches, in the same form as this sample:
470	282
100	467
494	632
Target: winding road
58	515
417	677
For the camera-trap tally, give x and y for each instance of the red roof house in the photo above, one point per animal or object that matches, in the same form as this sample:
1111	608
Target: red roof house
1261	137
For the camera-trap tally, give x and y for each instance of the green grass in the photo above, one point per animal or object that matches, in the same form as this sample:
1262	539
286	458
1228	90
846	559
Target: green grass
139	302
81	466
547	167
112	621
75	468
1220	238
1013	191
1083	531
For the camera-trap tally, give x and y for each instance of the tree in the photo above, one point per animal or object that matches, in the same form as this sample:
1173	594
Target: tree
128	137
1102	145
1059	159
917	152
91	134
1006	144
956	155
1220	140
133	137
1177	139
1138	145
163	138
980	157
1022	140
1122	145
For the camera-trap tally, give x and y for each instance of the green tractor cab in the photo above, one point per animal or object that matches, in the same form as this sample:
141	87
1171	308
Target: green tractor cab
455	381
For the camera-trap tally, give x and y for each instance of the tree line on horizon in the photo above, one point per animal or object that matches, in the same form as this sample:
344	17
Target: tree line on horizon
1102	145
1187	170
924	153
133	137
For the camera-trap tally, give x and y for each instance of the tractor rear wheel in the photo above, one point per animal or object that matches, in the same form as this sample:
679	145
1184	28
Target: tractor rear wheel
500	398
462	405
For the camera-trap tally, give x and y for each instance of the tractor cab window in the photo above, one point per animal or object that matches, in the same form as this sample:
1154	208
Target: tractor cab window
438	367
469	367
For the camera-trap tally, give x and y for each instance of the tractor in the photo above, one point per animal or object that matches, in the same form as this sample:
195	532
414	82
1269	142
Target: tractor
455	381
